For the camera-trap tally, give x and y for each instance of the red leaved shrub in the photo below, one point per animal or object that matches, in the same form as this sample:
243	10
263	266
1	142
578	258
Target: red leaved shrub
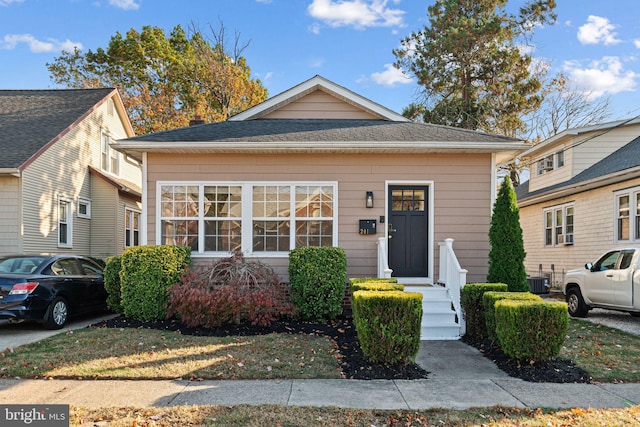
232	290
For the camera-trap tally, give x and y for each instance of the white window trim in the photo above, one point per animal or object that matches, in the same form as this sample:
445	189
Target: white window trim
554	209
129	211
87	203
632	193
553	160
247	214
109	153
69	243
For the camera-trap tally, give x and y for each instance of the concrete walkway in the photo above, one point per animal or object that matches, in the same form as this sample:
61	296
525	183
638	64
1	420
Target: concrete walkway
461	377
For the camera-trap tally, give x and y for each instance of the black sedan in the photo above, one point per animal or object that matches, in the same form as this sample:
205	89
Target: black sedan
49	289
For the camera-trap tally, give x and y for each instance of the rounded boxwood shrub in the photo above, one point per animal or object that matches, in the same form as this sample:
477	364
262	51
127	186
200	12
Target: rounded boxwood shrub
147	274
318	277
472	308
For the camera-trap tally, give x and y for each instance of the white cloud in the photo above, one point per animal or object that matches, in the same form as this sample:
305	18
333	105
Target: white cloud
8	2
314	28
11	41
264	1
597	30
356	13
390	77
606	76
125	4
636	43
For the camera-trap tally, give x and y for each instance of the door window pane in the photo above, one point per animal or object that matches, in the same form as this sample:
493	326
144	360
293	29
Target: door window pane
407	200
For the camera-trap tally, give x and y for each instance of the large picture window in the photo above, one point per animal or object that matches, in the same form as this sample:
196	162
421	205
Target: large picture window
255	218
627	221
558	225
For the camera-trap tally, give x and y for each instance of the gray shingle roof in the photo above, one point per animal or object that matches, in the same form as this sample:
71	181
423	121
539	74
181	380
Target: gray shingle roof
302	130
626	157
29	119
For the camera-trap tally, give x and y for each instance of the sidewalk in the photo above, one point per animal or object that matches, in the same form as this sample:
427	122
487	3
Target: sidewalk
460	377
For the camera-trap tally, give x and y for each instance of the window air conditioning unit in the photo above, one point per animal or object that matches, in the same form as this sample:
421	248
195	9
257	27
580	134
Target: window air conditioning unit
568	239
560	239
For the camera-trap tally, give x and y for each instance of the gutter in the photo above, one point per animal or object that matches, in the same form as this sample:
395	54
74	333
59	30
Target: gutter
10	172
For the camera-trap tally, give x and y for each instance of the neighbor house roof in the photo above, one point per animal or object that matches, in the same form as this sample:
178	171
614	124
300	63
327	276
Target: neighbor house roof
31	120
622	164
249	132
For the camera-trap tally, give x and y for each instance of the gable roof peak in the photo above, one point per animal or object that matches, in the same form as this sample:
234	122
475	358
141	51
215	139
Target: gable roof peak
313	84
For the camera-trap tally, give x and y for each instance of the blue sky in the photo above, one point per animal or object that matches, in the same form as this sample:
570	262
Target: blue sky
596	43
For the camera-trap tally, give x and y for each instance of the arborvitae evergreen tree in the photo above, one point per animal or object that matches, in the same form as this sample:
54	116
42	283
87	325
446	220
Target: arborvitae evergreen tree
506	258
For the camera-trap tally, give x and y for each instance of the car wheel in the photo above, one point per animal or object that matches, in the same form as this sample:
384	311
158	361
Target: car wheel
56	315
576	304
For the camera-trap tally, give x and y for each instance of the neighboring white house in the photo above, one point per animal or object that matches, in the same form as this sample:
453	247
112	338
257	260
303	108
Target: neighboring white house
63	188
582	197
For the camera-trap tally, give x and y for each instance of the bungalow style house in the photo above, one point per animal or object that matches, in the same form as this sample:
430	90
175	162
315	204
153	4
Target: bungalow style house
319	165
64	189
582	197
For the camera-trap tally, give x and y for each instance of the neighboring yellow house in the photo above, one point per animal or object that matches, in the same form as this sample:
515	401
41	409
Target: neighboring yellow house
63	188
582	197
321	165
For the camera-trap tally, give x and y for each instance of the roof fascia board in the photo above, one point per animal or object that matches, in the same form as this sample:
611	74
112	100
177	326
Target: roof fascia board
578	131
318	82
135	149
10	172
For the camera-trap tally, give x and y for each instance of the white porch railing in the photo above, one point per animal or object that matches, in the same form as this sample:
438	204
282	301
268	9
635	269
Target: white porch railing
453	277
383	263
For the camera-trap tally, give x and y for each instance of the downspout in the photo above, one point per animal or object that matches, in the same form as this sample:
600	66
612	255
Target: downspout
144	222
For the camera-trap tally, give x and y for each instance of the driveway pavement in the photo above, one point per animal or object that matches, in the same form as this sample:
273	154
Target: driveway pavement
15	335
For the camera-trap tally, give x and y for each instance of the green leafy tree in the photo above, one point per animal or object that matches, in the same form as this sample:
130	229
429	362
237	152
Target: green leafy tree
506	257
470	64
164	80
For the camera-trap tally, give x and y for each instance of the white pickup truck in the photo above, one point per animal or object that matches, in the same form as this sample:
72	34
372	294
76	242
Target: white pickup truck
612	282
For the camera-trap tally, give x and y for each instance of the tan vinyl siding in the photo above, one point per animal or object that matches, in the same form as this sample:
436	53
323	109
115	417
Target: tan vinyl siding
461	187
10	214
594	224
319	105
592	147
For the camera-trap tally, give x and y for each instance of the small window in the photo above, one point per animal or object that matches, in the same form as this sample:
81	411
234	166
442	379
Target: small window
64	223
559	225
84	208
109	158
131	228
559	159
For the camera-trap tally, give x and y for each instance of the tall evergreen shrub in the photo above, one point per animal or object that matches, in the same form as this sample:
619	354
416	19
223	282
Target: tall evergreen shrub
506	257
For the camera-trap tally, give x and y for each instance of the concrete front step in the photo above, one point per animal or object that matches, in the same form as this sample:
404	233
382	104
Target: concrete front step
438	316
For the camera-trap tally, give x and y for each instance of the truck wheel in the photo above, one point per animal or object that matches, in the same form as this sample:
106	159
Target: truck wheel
576	304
